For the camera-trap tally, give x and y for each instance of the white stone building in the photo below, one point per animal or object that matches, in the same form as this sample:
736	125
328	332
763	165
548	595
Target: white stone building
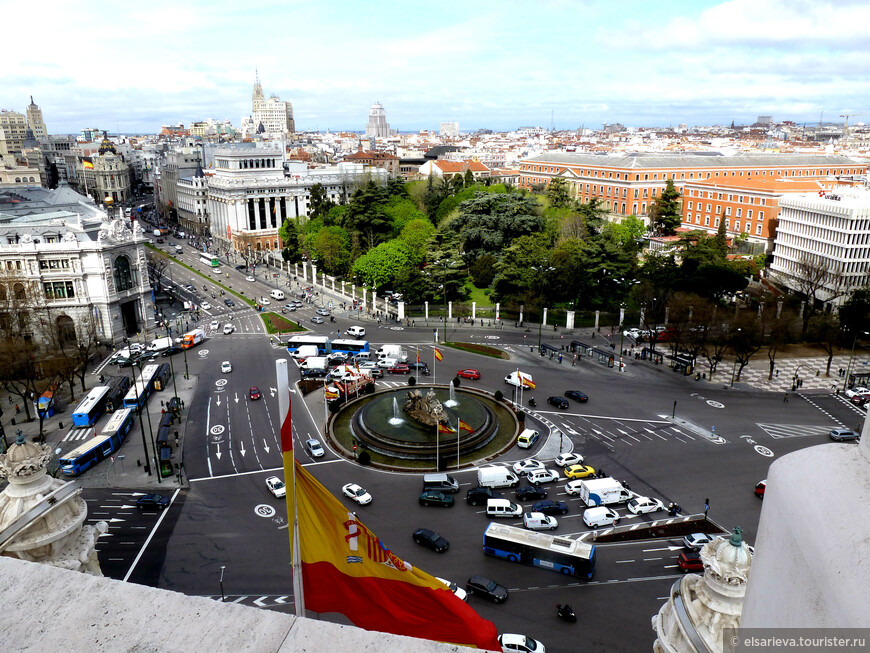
34	120
192	193
270	115
831	233
253	191
377	126
82	272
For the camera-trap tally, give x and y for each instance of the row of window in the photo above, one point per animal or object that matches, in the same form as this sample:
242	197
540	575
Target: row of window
23	180
59	290
727	210
747	228
54	264
712	195
673	175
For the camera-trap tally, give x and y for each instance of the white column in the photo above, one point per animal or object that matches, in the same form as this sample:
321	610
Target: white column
333	285
426	310
313	275
497	310
622	316
521	313
597	313
295	269
401	310
545	316
473	310
342	288
353	292
449	310
569	320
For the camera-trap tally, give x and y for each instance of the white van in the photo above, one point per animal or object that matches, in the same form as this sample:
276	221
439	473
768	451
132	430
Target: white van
520	379
179	249
600	516
305	351
527	438
502	508
277	294
356	331
496	476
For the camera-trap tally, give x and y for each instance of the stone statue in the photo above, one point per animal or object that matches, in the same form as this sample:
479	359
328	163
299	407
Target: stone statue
426	410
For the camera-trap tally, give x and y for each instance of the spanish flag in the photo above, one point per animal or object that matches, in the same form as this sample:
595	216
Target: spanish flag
87	164
445	428
465	427
330	393
438	354
347	569
527	381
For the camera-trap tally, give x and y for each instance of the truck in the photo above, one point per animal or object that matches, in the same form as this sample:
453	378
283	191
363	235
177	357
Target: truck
520	379
393	351
339	392
599	491
192	338
314	363
496	476
160	344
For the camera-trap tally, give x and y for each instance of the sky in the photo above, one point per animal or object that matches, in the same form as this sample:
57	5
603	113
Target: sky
131	67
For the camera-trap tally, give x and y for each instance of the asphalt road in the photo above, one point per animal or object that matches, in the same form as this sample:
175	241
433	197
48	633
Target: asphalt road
228	518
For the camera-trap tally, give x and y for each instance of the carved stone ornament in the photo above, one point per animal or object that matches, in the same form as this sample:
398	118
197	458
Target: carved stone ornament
69	237
26	239
426	410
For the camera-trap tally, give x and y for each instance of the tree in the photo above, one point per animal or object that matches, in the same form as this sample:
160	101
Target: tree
665	212
365	218
157	262
418	235
289	235
331	248
483	271
778	323
815	274
469	178
381	265
855	311
518	272
558	194
488	222
319	203
824	329
745	339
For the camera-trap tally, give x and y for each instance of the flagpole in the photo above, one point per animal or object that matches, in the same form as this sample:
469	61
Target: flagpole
283	383
437	443
458	431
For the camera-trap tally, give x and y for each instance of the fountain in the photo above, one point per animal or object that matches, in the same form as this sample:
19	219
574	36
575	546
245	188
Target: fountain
395	420
452	403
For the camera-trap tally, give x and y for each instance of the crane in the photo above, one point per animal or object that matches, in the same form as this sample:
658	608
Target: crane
847	116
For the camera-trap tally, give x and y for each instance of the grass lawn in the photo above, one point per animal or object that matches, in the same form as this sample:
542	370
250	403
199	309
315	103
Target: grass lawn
277	324
483	350
477	295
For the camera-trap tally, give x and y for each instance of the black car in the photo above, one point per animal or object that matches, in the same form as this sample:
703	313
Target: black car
314	373
486	587
241	266
171	350
229	302
157	501
127	362
435	498
529	492
431	540
424	369
478	495
549	507
576	395
558	402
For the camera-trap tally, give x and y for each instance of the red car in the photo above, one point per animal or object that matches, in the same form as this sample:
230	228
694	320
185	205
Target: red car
690	561
400	368
468	374
255	393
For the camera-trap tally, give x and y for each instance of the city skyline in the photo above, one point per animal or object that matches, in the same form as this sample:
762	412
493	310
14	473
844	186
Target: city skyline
577	64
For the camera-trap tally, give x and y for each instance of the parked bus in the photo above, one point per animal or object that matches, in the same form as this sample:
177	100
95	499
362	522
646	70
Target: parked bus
98	447
295	342
553	552
350	347
138	394
91	407
209	259
162	377
118	387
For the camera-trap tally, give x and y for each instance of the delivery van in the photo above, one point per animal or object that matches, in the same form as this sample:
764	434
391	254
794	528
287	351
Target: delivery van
502	508
601	516
496	476
520	379
527	438
305	351
356	331
277	294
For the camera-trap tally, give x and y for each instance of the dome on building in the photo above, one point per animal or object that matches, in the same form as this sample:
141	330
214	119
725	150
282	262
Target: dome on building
107	146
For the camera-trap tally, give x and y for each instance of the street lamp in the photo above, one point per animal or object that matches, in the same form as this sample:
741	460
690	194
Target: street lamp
734	367
141	425
851	354
542	270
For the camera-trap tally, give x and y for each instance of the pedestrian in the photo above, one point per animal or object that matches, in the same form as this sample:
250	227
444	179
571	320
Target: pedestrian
574	361
10	400
17	409
785	398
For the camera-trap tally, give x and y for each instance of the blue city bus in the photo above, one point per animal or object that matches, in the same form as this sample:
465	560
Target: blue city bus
139	392
118	387
100	446
553	552
91	407
349	347
295	342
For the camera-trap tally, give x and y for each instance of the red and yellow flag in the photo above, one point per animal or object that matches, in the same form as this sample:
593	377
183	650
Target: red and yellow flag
87	164
445	428
527	381
331	393
347	569
438	354
465	427
418	355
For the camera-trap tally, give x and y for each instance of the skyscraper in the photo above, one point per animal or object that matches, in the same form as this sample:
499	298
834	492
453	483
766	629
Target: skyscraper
377	125
34	120
275	116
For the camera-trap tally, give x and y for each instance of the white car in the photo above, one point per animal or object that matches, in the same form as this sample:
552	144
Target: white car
458	591
538	476
249	278
276	486
356	493
369	365
538	521
851	392
228	329
643	505
214	324
523	467
264	301
520	643
205	306
226	367
632	333
573	487
568	459
696	540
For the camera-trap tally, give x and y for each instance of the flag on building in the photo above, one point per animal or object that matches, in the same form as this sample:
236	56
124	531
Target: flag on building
347	569
527	381
87	164
465	427
445	428
438	354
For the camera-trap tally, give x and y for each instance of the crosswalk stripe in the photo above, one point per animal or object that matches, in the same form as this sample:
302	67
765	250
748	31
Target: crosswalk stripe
780	431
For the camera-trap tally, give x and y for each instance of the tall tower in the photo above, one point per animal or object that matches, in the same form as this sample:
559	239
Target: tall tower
258	100
34	120
377	125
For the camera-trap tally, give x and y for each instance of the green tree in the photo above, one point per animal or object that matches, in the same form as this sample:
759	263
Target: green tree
855	312
319	203
665	211
418	235
381	265
290	240
365	217
469	178
331	247
558	194
401	210
488	222
518	272
824	329
483	270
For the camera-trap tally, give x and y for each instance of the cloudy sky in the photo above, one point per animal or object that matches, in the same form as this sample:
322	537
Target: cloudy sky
134	66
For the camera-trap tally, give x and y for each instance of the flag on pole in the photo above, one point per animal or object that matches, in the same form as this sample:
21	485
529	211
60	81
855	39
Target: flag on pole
347	569
445	428
438	354
527	381
418	355
331	393
87	164
465	427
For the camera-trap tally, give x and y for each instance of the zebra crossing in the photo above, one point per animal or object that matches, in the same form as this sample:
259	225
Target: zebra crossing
781	431
79	433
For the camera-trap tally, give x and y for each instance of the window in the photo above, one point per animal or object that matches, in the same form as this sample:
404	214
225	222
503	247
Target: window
758	229
707	221
749	214
51	264
123	274
739	213
717	223
761	215
690	206
737	225
727	210
59	290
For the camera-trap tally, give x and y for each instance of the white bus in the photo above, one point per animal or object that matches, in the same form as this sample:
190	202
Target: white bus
209	259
